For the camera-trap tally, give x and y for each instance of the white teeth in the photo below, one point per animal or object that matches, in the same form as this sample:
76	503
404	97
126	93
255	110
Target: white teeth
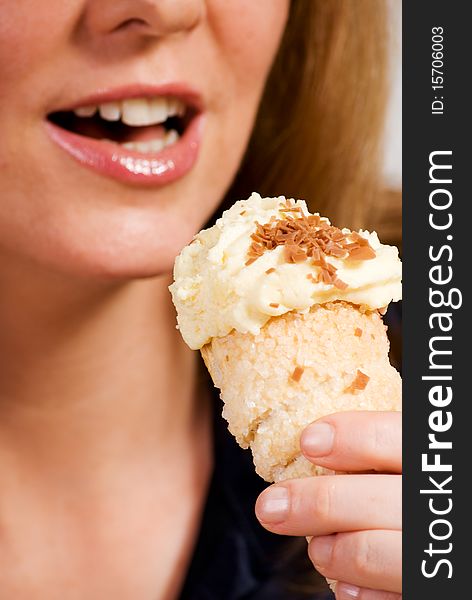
156	145
171	137
141	147
150	111
158	111
153	145
175	107
85	111
144	147
172	107
110	111
136	112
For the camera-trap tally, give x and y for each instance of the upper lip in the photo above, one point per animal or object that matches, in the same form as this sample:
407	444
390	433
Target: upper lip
182	91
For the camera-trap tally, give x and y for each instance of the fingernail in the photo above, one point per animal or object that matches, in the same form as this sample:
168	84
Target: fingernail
321	549
318	439
346	591
273	505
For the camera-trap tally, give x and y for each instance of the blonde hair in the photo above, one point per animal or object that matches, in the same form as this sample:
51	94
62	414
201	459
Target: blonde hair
318	129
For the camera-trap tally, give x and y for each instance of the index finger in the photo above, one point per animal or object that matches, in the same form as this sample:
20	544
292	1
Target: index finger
355	441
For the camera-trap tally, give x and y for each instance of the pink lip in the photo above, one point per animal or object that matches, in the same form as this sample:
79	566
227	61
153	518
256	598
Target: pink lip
115	161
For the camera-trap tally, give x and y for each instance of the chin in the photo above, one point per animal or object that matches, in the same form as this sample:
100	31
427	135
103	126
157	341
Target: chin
122	266
110	251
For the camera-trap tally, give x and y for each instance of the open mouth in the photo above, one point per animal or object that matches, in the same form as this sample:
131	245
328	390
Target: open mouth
136	136
143	125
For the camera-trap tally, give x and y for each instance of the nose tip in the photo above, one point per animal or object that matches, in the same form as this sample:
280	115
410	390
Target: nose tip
147	17
171	16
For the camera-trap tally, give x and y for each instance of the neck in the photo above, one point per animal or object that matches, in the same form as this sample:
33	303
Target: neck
91	371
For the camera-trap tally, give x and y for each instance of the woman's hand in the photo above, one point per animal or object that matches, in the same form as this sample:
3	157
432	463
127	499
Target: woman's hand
354	519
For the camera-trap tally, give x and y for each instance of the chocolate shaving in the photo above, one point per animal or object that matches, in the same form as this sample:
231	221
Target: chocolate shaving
297	373
360	382
362	253
358	238
326	276
295	209
308	238
341	285
294	254
274	305
269	271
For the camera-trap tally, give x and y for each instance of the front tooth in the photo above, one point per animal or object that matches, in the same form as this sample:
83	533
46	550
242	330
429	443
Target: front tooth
110	111
136	112
143	147
157	145
171	137
158	110
85	111
177	107
172	107
180	108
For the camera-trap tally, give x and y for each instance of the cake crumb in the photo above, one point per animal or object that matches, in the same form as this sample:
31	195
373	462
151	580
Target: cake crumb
358	332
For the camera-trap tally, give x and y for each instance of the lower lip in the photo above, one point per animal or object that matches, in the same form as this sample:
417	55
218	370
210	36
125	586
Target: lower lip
114	161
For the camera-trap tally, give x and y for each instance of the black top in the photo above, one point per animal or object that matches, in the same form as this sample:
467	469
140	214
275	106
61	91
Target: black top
235	557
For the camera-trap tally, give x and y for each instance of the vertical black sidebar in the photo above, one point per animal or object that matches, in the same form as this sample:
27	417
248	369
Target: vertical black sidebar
437	369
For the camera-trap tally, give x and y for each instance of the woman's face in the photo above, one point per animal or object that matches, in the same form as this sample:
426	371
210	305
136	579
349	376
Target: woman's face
123	123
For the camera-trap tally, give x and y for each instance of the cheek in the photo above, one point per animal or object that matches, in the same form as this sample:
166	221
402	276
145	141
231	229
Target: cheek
249	34
32	36
30	32
246	36
17	43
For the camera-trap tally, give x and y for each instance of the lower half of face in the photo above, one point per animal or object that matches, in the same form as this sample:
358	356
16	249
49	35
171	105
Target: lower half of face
122	127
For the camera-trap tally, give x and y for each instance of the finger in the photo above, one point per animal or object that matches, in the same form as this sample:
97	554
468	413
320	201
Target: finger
346	591
368	559
330	504
355	441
